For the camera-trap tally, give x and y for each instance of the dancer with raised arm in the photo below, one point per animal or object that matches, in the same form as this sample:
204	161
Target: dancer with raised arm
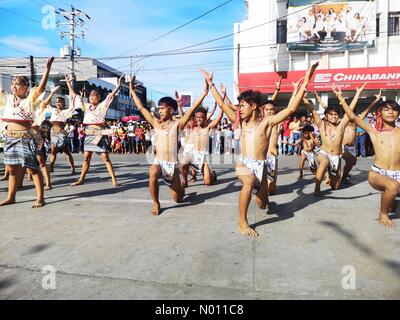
269	109
349	142
96	139
20	145
166	139
385	172
58	119
256	131
332	134
39	138
200	137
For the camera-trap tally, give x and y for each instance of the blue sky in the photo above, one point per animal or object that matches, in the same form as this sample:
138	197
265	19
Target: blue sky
120	26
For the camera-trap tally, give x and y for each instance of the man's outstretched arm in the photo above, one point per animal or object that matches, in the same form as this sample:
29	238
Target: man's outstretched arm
357	120
294	105
212	112
227	101
179	100
373	104
217	120
196	104
345	121
311	108
228	111
278	88
323	104
146	114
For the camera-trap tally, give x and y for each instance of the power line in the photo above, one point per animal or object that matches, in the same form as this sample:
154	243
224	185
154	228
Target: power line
20	15
177	28
216	49
232	34
2	44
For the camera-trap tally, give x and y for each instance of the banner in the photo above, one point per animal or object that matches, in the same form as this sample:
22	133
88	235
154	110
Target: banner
386	78
329	26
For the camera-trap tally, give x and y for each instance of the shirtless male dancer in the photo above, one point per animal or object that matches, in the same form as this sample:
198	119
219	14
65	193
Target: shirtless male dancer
256	131
166	140
269	109
349	140
309	142
20	145
385	172
332	134
58	119
200	135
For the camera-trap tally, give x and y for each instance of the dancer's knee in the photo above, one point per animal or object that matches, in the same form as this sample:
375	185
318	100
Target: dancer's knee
154	173
392	188
33	172
11	170
87	159
248	185
177	197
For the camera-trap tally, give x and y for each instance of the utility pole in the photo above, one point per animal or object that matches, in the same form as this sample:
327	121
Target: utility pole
33	76
74	21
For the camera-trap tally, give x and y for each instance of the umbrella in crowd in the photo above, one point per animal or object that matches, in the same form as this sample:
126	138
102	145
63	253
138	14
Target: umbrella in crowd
130	118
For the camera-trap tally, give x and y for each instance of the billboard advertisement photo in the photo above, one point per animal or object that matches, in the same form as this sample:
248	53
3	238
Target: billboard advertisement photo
316	26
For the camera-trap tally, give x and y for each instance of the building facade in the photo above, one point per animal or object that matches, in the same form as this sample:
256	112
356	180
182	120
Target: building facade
261	53
90	74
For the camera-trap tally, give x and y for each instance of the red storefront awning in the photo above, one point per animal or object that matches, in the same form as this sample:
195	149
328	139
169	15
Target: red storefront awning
346	79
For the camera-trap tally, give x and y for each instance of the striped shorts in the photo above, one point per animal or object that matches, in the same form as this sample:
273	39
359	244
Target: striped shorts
20	151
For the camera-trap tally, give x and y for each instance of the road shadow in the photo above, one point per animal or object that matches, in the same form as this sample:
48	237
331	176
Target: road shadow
394	266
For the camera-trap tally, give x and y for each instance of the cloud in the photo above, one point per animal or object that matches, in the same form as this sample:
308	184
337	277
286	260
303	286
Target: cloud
117	27
37	46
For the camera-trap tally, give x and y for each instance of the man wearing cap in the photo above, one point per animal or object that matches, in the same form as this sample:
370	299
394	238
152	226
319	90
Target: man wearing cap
166	139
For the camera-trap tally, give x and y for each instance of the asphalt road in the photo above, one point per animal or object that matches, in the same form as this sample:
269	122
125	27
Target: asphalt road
103	243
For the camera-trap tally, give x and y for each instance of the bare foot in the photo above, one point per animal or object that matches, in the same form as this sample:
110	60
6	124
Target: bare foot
7	202
156	209
262	204
317	193
38	204
345	181
247	231
115	184
78	183
327	182
194	179
385	220
48	187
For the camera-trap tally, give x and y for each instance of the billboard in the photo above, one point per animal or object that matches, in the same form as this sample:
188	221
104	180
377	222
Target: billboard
386	78
329	26
186	100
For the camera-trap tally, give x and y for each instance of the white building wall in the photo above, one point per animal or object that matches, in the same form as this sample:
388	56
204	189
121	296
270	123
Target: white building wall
275	57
